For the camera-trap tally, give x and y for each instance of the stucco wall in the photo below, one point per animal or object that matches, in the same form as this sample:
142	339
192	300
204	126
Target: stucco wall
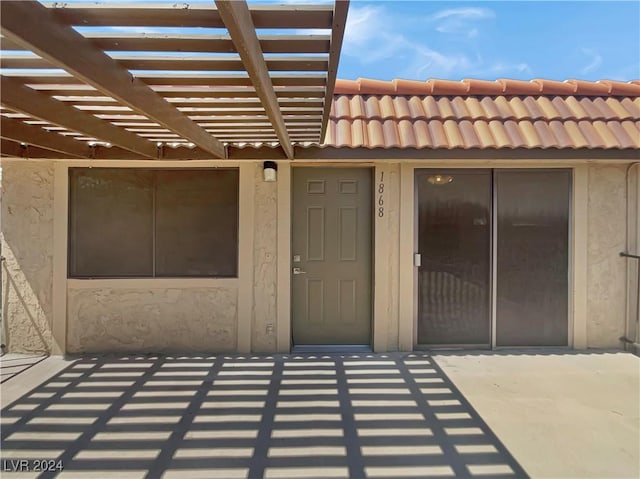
263	328
606	290
27	245
387	245
152	320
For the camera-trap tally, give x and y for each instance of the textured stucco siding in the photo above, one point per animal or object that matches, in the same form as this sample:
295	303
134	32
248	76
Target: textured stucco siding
265	275
606	275
27	245
387	239
152	320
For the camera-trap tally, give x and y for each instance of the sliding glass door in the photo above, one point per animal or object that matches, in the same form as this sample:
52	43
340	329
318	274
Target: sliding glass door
494	247
532	293
454	240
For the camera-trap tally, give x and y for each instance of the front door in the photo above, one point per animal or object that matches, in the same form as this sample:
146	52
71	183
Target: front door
331	263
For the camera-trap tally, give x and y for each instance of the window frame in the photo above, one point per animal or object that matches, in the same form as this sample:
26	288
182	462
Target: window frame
153	275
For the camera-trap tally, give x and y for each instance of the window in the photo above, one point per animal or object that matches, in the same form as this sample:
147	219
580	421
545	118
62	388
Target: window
153	223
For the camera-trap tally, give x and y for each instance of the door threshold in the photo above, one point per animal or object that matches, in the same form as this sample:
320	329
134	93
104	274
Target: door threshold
331	348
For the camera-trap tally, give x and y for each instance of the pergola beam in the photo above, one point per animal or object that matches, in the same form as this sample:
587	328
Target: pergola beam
34	26
21	98
237	18
166	42
32	135
340	13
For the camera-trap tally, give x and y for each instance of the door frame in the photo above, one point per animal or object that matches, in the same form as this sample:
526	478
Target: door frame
577	251
288	259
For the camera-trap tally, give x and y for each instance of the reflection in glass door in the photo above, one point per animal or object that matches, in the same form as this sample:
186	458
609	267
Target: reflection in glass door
454	240
532	294
522	295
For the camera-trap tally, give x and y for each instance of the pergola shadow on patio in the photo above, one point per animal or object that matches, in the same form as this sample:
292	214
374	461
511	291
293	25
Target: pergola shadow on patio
226	416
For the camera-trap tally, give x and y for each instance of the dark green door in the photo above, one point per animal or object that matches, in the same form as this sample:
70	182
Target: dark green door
331	249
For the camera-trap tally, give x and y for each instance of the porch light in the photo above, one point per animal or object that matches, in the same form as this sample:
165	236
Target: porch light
440	179
270	168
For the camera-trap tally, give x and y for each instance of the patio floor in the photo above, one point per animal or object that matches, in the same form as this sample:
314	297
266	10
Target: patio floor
390	416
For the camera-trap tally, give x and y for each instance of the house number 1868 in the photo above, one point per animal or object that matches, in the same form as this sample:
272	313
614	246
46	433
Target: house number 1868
381	195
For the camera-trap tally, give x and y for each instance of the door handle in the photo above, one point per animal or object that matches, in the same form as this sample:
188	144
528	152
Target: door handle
298	271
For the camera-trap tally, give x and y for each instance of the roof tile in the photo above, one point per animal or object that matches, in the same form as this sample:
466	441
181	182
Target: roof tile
577	139
437	134
549	111
490	108
358	131
621	112
421	131
519	109
591	135
519	87
431	108
369	86
560	134
604	108
484	87
390	132
401	107
533	107
357	107
547	138
387	109
469	135
481	114
592	112
448	87
372	107
412	87
631	107
341	107
621	135
499	133
576	108
609	139
562	108
529	134
632	130
513	132
474	108
552	87
406	134
444	105
484	134
460	108
416	109
504	108
343	133
589	88
347	87
619	88
454	138
375	134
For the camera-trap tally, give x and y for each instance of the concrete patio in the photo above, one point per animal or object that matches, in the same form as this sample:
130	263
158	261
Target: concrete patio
393	416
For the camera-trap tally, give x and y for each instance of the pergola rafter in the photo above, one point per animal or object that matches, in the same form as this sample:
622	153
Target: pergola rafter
196	92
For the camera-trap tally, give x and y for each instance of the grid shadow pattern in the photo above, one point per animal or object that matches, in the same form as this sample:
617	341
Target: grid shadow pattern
387	416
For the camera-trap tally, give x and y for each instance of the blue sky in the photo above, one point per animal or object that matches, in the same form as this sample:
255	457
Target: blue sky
507	39
420	39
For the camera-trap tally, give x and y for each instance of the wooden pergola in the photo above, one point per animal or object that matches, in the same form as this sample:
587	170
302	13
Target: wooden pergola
110	92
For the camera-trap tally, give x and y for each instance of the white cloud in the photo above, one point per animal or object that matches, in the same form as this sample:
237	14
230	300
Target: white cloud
466	13
374	34
460	21
594	63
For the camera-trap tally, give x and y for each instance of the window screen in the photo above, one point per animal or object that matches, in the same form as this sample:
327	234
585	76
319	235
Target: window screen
146	223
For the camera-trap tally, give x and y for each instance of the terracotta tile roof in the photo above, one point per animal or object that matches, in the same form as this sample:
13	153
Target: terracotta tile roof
485	114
